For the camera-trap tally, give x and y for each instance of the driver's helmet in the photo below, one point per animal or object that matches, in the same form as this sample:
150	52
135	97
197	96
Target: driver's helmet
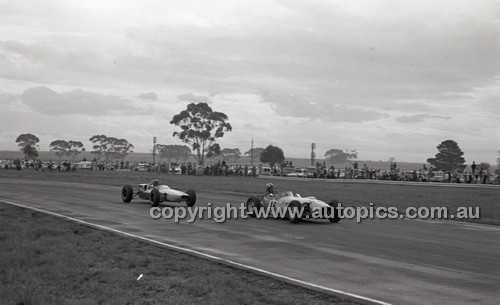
155	182
269	187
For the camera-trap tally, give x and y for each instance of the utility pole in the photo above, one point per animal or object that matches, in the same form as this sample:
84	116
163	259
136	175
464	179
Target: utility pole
154	149
251	153
313	155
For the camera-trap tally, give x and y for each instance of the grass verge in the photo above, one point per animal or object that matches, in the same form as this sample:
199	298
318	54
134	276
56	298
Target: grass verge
47	260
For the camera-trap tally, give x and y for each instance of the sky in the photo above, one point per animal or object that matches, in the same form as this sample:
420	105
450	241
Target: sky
387	78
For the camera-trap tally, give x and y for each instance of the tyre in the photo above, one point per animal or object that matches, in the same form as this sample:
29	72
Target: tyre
252	204
192	198
127	193
335	217
154	197
294	208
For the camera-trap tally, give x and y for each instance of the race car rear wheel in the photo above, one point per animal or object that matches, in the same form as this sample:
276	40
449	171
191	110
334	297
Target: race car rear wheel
154	197
127	193
192	198
334	214
253	203
292	212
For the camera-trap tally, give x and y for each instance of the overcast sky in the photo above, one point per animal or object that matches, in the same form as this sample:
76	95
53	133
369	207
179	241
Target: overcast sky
388	78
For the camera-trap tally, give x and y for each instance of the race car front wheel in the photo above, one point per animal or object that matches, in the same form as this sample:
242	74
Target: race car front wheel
334	213
192	198
127	193
154	197
253	204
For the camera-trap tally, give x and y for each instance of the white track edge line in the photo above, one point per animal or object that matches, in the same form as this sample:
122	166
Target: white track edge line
201	254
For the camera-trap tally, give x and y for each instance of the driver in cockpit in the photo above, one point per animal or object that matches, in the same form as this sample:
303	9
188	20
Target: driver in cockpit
269	196
155	183
269	188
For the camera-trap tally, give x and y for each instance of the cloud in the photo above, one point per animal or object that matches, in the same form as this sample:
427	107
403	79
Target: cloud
7	99
76	102
148	96
418	118
287	104
321	66
487	98
191	98
358	54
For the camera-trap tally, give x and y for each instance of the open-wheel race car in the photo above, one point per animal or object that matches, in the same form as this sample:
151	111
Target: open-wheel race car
296	206
156	193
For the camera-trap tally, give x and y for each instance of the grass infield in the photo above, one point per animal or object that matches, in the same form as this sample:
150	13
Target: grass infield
47	260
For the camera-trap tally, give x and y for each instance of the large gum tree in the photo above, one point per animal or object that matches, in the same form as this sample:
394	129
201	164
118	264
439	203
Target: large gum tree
201	127
28	144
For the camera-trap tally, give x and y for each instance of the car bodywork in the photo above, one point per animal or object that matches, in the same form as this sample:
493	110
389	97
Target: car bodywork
83	165
288	200
437	176
298	172
156	193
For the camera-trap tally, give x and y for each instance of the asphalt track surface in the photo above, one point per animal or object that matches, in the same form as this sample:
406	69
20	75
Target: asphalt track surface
394	261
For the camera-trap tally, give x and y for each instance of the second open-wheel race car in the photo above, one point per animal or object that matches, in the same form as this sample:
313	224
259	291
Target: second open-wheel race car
156	193
289	201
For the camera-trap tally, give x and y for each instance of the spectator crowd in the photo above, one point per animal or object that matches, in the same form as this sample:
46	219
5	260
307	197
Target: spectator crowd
473	175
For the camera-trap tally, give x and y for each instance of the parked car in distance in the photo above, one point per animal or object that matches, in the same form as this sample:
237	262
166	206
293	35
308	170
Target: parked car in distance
298	172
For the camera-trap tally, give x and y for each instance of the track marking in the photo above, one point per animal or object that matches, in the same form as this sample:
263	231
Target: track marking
208	256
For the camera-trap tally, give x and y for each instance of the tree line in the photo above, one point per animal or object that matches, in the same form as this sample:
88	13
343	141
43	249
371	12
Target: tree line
199	128
107	148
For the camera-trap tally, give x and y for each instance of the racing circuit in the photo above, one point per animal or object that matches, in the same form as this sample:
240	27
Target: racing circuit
385	261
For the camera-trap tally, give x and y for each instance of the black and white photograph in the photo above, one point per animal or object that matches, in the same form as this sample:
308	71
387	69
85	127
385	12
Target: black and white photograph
250	152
